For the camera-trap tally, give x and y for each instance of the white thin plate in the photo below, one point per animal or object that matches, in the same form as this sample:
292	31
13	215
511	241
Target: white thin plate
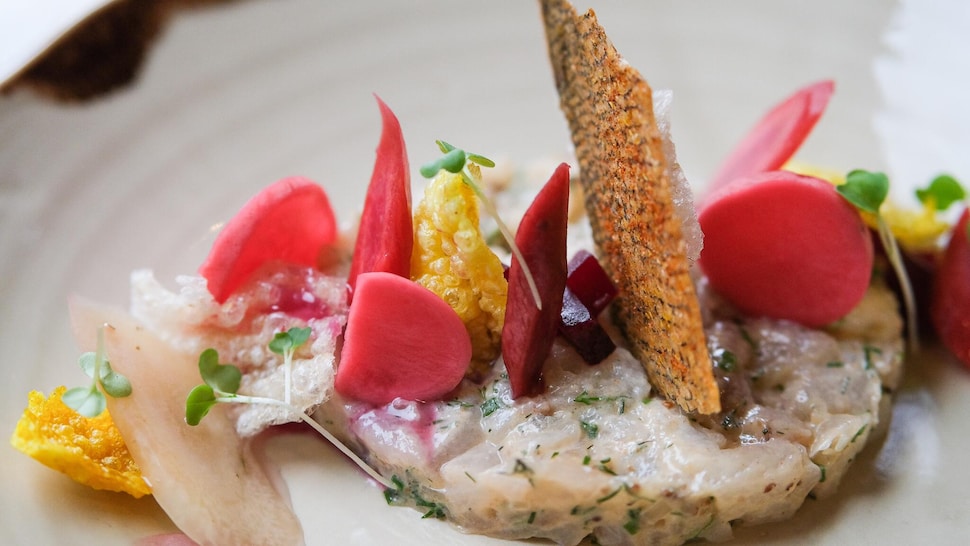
237	96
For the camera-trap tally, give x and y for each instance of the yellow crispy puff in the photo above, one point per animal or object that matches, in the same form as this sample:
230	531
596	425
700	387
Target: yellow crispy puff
90	451
451	259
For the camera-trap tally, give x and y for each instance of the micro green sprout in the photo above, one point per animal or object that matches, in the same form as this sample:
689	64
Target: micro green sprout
90	401
942	192
468	165
867	191
221	385
285	343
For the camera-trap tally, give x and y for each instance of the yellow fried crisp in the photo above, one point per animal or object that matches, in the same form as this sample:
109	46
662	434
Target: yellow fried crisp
90	451
451	259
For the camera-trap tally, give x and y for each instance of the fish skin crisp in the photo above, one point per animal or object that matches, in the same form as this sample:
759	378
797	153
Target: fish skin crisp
609	108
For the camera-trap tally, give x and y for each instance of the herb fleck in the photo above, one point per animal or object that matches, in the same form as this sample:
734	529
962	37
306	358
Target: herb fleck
632	524
725	360
490	406
592	430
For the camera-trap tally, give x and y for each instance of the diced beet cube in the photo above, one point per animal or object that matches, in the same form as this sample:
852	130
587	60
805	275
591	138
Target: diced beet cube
589	282
583	331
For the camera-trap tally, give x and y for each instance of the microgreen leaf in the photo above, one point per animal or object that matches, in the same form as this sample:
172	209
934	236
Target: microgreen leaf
87	363
113	383
864	189
199	402
444	146
221	377
453	161
289	340
481	160
944	190
90	401
87	401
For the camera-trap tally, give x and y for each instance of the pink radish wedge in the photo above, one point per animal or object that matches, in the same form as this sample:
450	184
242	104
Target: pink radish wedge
950	306
786	246
290	221
402	341
777	136
529	331
385	236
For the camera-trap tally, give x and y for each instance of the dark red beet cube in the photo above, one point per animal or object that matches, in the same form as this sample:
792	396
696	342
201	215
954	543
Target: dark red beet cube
589	282
583	331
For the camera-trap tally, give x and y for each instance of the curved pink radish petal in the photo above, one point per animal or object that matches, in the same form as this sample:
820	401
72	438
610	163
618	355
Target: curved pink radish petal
385	236
777	136
402	341
290	220
529	332
950	306
786	246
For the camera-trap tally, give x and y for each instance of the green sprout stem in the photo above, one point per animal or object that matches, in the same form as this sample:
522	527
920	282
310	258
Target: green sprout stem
507	234
221	383
287	375
867	191
232	398
90	401
906	287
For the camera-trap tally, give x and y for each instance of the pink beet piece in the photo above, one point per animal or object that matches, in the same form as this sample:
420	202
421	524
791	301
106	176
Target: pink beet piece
401	341
290	220
386	236
950	304
529	332
777	136
589	282
786	246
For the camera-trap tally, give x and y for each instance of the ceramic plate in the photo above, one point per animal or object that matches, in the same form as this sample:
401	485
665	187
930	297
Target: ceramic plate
238	95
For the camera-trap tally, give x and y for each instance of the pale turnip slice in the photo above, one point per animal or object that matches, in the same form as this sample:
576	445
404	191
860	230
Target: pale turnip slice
208	480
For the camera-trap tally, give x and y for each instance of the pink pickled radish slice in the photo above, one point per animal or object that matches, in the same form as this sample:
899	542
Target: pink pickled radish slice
529	331
786	246
950	305
777	136
402	341
385	236
290	221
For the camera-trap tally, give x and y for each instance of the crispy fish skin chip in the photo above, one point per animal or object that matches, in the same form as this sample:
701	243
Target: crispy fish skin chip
609	108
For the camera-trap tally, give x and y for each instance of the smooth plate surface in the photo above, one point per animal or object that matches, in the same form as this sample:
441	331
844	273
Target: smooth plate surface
238	95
